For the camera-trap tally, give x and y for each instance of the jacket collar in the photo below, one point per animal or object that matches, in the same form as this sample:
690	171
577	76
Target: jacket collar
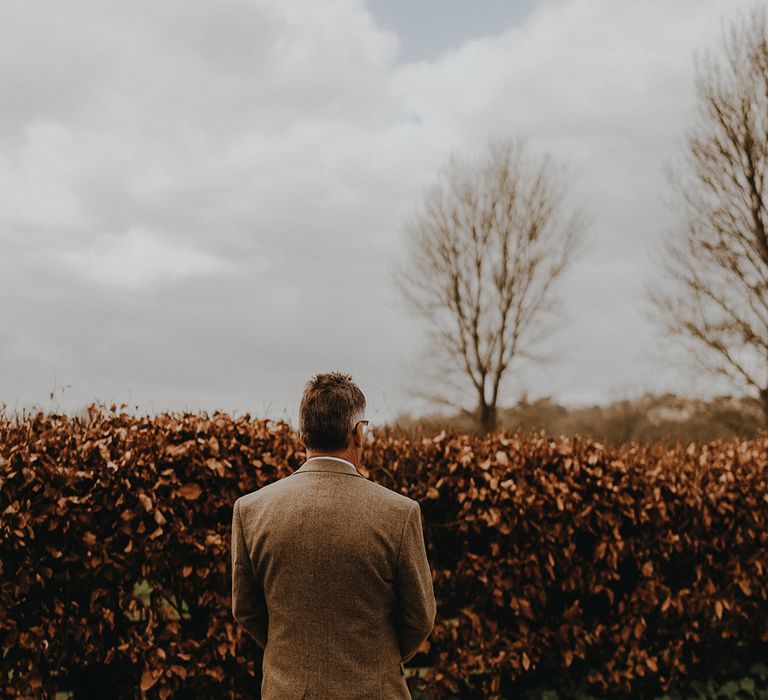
324	464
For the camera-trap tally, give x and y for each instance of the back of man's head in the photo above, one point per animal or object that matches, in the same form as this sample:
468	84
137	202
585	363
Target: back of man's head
330	407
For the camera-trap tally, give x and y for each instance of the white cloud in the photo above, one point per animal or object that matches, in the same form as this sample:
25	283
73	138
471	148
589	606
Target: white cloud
137	258
252	163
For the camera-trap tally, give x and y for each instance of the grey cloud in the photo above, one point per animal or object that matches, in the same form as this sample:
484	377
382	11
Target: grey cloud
275	148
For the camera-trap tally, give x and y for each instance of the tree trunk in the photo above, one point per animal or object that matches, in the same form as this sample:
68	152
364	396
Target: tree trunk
764	404
487	417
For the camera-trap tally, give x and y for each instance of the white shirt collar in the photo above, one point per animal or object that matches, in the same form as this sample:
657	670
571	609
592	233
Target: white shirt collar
338	459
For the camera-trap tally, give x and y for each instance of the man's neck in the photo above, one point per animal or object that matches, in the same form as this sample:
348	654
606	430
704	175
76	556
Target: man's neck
345	454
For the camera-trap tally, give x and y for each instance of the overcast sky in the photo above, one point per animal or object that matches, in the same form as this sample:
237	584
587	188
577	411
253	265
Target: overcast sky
201	204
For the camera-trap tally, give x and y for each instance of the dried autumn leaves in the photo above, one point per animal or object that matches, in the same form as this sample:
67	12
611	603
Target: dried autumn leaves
623	565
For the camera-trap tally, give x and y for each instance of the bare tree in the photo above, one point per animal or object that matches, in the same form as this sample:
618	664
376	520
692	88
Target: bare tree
486	247
718	258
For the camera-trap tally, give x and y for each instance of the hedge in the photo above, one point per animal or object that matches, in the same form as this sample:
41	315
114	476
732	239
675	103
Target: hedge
629	569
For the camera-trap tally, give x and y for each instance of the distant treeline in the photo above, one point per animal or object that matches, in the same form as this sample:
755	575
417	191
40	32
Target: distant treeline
653	418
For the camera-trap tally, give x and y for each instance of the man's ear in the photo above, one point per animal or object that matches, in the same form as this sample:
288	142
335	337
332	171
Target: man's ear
357	439
301	442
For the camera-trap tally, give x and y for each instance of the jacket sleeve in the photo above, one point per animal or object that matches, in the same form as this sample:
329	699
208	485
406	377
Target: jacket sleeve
249	607
416	608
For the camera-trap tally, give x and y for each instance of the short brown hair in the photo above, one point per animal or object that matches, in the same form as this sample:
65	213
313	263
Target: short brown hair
330	406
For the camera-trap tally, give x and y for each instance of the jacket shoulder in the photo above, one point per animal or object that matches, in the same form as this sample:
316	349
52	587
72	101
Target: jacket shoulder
394	499
397	500
261	494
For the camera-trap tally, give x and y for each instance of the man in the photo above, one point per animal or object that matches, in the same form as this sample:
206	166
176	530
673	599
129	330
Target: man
329	570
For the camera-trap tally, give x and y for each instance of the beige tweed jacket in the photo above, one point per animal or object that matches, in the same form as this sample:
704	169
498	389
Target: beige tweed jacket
331	577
